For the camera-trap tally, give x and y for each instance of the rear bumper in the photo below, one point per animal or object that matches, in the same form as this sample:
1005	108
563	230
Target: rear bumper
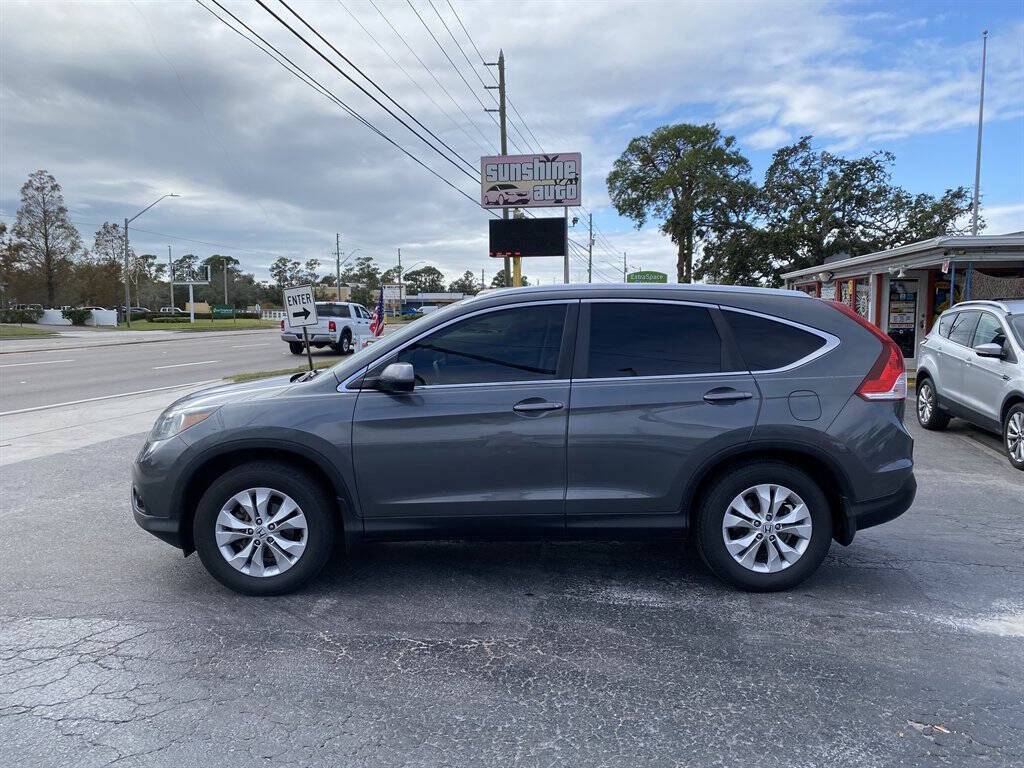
866	514
314	338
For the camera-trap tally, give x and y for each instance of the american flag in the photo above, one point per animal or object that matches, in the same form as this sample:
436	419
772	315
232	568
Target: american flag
377	318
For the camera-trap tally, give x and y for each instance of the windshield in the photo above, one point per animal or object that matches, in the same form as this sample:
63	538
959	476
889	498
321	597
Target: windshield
1017	326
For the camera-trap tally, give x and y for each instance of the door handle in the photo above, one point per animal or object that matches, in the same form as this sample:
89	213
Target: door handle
531	407
729	396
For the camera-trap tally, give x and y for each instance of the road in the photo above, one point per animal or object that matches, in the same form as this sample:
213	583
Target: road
904	649
71	372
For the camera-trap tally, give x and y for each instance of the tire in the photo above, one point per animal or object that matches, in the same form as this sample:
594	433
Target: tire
757	575
929	415
1013	435
346	342
313	528
295	347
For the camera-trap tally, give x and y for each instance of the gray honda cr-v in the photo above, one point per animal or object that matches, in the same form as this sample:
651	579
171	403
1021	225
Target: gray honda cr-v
761	423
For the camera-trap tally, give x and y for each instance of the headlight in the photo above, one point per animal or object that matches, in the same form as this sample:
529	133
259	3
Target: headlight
173	422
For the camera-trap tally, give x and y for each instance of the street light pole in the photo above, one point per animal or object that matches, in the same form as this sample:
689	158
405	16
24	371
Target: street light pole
981	114
127	221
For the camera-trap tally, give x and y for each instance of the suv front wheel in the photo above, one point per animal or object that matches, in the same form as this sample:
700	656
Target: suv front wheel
764	527
264	528
1013	436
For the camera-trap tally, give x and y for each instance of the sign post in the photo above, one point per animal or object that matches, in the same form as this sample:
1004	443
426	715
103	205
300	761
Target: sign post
300	311
198	275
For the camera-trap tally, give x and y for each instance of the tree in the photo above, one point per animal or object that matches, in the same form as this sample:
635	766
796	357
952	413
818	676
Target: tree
425	280
100	275
224	265
466	284
680	174
49	241
817	204
498	281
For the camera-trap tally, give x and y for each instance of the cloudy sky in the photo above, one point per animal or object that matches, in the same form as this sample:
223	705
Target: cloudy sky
124	101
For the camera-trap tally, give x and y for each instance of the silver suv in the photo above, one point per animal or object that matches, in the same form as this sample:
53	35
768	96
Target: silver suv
972	366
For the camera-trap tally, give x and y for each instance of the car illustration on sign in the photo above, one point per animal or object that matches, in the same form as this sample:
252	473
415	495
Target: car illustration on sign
506	194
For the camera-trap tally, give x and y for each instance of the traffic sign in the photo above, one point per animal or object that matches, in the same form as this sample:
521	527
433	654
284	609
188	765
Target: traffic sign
299	306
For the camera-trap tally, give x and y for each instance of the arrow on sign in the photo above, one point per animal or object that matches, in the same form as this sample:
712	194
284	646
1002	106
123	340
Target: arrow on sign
303	314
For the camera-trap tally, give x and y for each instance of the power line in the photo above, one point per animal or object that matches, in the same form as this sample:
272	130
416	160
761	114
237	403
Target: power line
431	73
350	79
308	79
412	80
455	67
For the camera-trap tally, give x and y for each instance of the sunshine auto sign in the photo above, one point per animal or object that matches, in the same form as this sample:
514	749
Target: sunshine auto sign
530	181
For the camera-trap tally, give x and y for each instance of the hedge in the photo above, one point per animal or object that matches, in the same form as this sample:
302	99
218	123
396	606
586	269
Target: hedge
240	315
20	315
77	315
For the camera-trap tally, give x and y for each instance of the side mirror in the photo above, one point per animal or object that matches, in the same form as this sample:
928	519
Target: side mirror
397	377
989	350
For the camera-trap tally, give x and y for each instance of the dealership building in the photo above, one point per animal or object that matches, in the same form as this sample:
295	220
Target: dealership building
903	290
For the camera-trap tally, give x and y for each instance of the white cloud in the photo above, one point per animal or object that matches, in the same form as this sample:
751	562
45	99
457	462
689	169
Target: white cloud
126	102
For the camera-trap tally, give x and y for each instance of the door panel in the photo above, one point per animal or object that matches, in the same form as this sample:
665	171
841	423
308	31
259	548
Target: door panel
482	434
983	383
631	441
955	354
461	450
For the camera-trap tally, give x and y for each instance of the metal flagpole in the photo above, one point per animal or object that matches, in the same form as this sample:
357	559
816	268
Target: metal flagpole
981	113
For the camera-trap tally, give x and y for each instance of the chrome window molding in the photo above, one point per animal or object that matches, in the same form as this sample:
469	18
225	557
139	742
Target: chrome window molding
831	342
395	352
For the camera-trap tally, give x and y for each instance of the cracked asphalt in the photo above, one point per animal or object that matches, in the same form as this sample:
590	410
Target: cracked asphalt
905	649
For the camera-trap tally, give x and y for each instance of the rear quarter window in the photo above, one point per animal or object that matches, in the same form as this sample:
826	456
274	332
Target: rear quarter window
768	344
945	323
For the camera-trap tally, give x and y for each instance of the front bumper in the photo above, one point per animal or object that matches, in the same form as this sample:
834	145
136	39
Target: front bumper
164	528
867	514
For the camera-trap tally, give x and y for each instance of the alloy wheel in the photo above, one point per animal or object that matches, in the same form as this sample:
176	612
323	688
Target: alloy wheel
1015	436
925	402
767	528
261	532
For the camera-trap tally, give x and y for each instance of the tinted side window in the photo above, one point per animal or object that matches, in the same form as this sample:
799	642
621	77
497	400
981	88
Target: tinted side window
766	344
633	339
508	345
963	328
344	311
990	331
326	310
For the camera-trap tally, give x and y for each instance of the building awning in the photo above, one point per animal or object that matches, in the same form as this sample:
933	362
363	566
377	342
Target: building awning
972	248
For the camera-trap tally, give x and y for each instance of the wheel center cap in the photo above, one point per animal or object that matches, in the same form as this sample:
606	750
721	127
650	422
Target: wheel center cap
260	530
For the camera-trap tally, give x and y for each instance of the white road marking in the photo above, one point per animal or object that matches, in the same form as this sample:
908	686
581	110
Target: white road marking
110	397
244	346
182	365
39	362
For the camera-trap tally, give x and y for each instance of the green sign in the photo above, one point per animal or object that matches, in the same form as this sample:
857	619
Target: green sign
223	310
647	276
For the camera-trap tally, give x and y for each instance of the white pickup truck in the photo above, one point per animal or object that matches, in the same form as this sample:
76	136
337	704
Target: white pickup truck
338	325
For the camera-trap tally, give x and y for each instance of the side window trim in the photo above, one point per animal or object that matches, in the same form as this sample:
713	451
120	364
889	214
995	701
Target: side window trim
582	361
831	342
355	381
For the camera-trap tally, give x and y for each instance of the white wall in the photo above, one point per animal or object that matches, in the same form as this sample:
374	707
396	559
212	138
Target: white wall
104	317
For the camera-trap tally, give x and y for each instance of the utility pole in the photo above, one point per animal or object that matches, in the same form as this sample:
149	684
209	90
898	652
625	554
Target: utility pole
504	145
623	266
170	271
981	113
401	298
224	262
565	259
482	283
337	262
590	250
127	295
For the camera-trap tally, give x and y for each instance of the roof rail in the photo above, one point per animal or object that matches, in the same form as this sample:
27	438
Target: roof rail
983	302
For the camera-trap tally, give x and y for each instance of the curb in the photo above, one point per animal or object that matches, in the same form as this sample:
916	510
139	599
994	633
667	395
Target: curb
179	335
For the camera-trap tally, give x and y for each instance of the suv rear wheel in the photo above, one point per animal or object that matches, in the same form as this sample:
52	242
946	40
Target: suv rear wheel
1013	435
764	527
929	415
346	342
264	528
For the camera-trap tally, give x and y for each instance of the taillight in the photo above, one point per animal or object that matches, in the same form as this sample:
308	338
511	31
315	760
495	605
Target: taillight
887	379
331	326
282	325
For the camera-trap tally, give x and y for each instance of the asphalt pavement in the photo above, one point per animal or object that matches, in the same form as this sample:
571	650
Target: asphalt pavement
904	649
73	369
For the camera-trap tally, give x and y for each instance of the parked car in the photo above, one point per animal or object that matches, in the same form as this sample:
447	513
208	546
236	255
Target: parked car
338	324
762	424
972	367
506	194
172	311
